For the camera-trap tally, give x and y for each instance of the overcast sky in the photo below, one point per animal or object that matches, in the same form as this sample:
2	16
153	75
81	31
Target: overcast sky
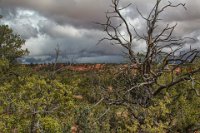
70	23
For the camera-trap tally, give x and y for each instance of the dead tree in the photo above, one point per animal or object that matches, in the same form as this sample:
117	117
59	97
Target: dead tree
161	43
54	69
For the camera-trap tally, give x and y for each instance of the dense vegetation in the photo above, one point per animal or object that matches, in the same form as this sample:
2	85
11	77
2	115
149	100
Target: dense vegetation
72	101
58	101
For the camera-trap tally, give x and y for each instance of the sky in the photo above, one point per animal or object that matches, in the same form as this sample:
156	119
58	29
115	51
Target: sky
70	25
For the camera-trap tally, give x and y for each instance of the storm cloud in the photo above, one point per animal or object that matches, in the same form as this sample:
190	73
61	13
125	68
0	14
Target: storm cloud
70	25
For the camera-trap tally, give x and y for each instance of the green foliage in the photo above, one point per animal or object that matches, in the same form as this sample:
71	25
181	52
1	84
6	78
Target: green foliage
10	44
50	125
37	103
34	102
31	99
4	65
185	107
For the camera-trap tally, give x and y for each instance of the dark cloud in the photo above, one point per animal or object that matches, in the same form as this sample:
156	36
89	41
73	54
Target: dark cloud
21	22
69	23
76	12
